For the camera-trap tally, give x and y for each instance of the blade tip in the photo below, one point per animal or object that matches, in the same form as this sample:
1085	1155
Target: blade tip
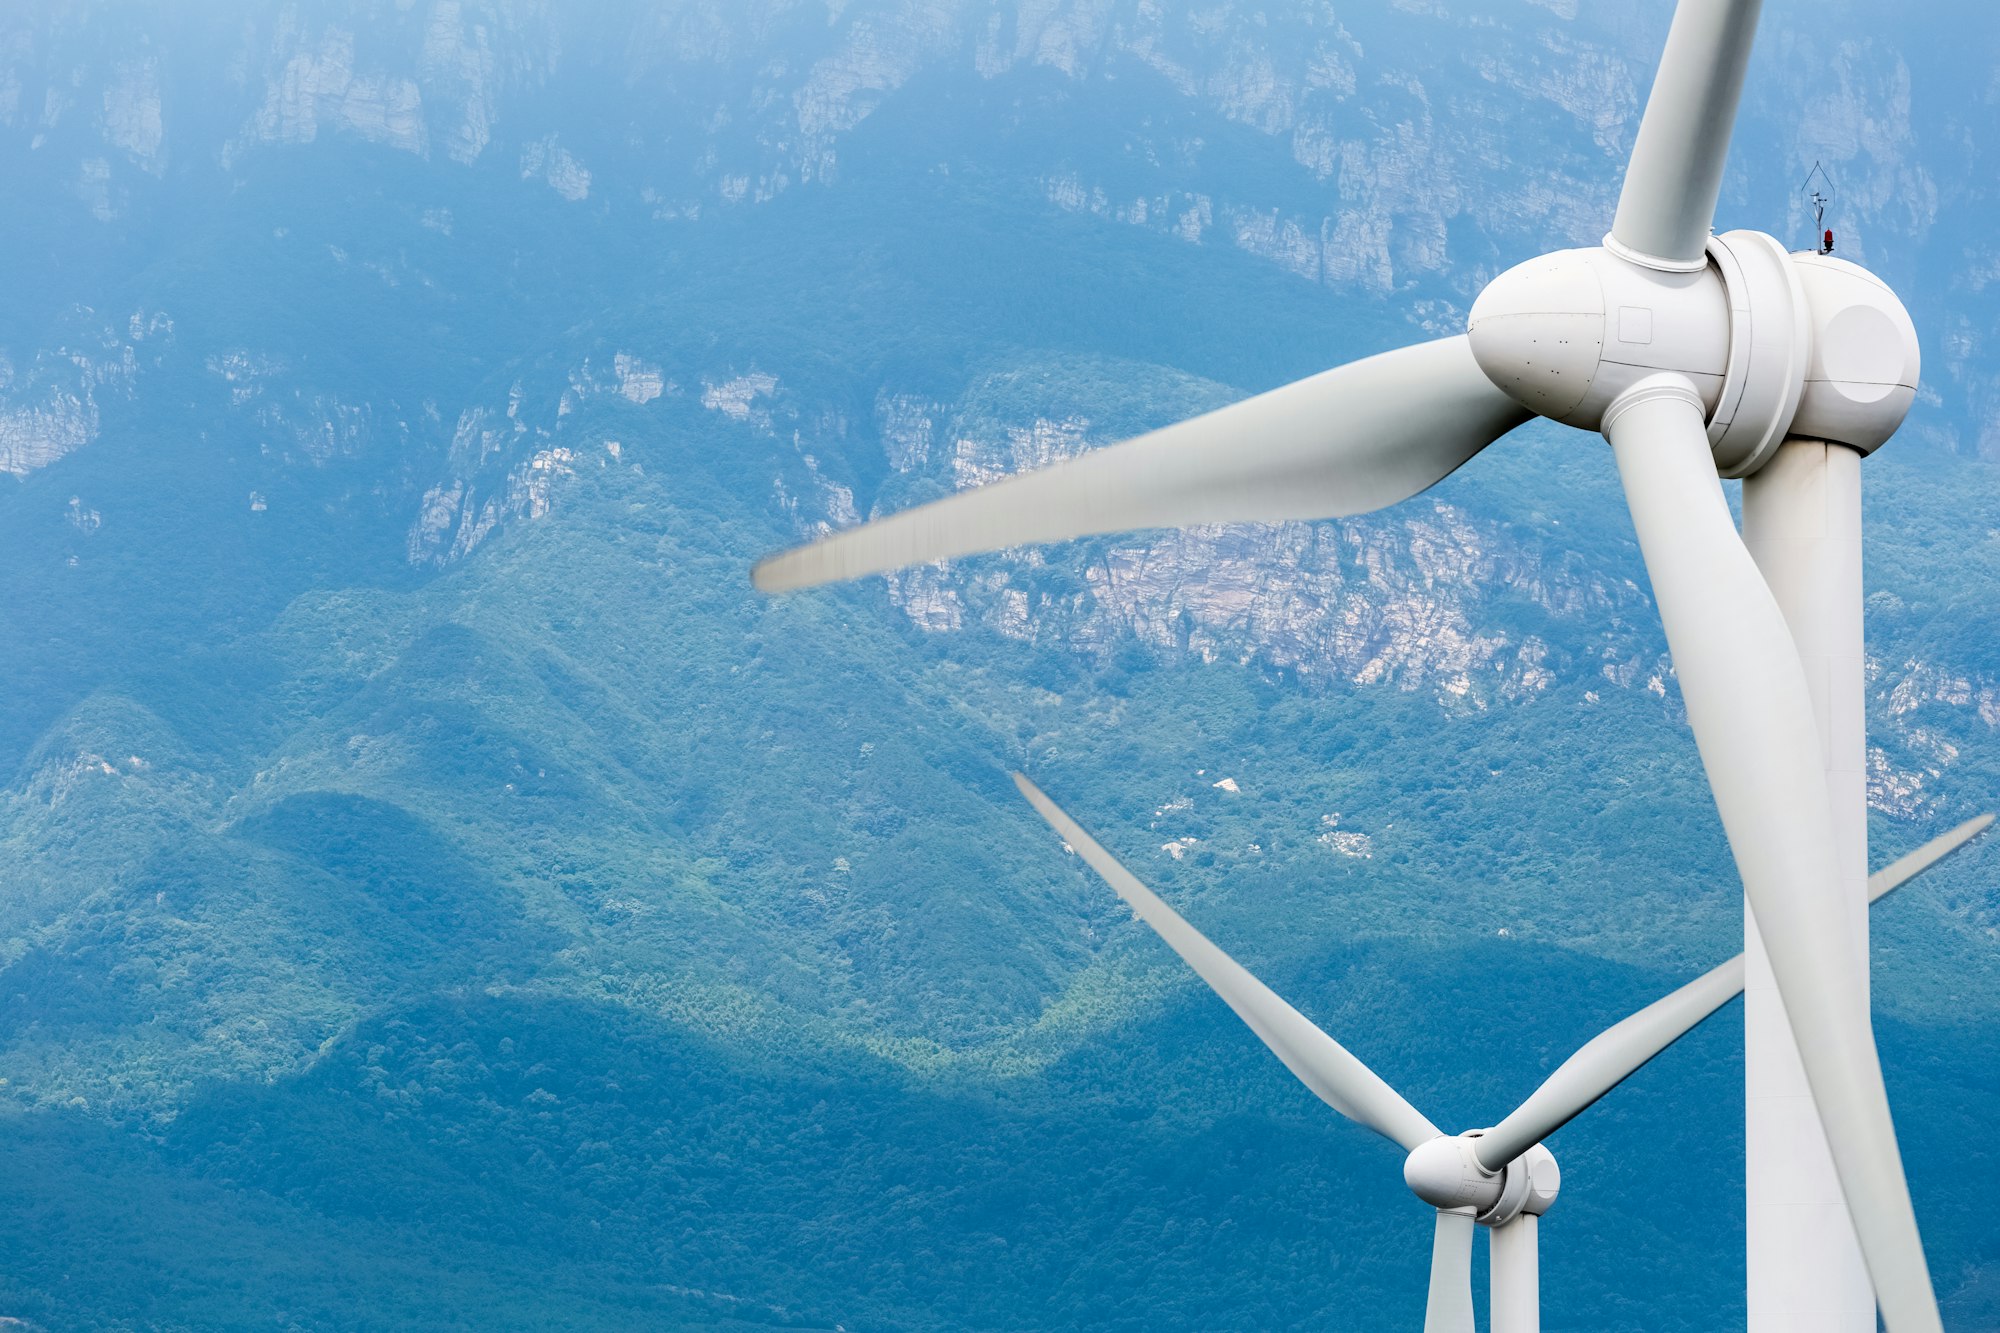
1052	814
768	575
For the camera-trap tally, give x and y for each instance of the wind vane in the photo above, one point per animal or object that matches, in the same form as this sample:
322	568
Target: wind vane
1818	190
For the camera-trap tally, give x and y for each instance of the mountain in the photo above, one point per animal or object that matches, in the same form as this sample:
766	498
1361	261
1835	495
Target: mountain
438	892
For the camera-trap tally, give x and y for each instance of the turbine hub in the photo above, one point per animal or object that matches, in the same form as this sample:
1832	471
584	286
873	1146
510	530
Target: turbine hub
1566	334
1772	344
1446	1174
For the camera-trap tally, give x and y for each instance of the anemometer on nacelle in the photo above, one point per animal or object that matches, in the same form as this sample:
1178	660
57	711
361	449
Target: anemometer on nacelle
1816	190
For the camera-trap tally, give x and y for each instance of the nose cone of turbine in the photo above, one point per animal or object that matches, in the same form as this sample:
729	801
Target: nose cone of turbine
1544	1179
1861	375
1444	1174
1538	331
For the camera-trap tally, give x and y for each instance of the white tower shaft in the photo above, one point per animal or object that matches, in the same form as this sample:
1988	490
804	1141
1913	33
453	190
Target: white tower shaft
1802	524
1516	1276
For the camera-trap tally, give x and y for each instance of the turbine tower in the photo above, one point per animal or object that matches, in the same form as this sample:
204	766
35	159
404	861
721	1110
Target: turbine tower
1697	356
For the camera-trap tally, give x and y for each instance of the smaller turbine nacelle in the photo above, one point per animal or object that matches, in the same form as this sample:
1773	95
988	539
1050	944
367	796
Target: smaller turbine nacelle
1773	344
1446	1173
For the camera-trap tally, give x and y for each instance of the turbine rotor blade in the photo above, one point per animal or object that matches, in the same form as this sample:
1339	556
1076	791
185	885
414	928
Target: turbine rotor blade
1345	441
1449	1307
1752	718
1912	864
1605	1061
1513	1252
1321	1063
1675	173
1624	1048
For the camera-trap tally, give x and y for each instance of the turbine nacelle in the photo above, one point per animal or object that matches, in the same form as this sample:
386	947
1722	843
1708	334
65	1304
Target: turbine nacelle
1772	344
1446	1173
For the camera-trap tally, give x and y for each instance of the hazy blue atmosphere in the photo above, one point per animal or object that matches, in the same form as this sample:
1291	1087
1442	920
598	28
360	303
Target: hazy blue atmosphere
437	893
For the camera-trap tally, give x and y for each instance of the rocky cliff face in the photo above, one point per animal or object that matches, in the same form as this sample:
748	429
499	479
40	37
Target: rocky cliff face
1395	176
1393	122
1450	596
1403	601
1434	596
1394	156
49	403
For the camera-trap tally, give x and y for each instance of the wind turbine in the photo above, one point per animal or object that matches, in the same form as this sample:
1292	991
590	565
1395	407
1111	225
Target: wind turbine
1501	1178
1695	355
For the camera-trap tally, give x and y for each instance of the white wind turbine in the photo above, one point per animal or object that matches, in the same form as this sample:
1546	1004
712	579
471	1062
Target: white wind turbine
1694	355
1501	1178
